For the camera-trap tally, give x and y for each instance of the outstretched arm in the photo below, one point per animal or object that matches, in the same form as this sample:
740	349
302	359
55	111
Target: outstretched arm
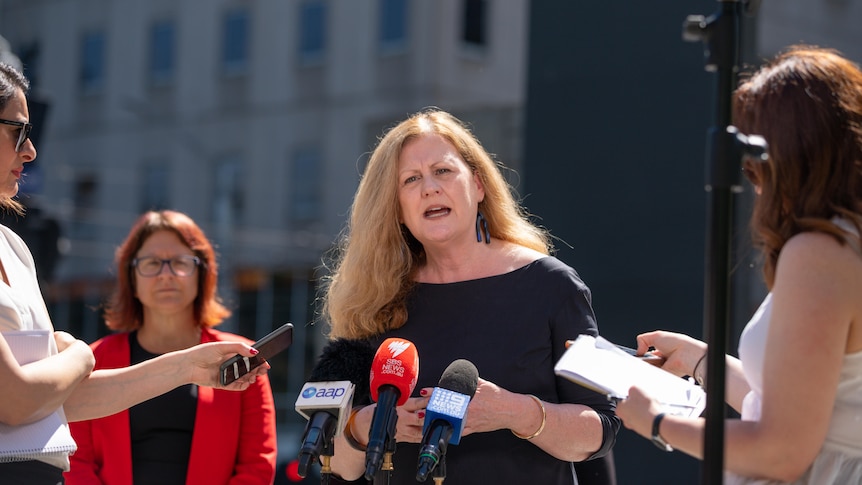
108	391
684	355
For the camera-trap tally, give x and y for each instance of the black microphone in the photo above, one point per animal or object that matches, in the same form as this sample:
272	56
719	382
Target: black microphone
341	373
444	415
393	376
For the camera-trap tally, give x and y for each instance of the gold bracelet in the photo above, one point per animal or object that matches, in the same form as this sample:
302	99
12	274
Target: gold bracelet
348	431
541	426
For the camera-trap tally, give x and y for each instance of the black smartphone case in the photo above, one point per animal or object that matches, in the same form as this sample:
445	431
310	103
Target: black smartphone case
270	345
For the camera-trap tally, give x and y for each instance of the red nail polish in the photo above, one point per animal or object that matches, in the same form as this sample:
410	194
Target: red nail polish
423	392
254	351
421	414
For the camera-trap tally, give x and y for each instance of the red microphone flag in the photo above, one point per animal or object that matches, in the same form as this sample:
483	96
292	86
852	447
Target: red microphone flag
396	363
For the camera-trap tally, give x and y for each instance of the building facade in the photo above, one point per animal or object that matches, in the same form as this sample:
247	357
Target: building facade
256	117
253	117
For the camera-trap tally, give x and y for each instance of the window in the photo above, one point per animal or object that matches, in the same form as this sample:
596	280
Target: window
235	45
155	190
312	32
227	193
162	45
475	23
86	185
92	62
85	199
393	25
305	197
30	56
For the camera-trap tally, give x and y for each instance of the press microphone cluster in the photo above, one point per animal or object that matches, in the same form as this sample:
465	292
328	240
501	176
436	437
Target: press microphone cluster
444	416
394	372
339	379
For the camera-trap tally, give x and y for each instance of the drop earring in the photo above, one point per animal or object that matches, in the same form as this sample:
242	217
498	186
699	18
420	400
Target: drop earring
482	226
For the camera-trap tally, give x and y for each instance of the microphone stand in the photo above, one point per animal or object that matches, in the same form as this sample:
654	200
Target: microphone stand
384	473
720	32
386	467
325	455
439	473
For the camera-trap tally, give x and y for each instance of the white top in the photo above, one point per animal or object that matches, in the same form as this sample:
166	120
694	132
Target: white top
840	459
21	304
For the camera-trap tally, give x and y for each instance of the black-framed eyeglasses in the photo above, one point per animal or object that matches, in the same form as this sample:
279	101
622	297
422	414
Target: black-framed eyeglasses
179	266
23	134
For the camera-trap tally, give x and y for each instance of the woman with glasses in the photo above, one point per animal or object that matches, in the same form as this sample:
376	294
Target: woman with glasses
798	381
165	300
63	383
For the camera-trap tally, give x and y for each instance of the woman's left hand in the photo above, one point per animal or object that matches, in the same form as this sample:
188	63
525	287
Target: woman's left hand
486	408
205	360
637	411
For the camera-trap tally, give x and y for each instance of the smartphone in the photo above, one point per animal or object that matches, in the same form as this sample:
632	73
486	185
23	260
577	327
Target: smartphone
270	345
648	357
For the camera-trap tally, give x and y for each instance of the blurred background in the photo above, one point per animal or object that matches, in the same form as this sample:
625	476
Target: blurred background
256	117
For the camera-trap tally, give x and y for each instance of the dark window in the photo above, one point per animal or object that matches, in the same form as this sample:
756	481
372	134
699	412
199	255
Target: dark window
312	31
393	23
30	58
227	191
155	187
235	45
162	45
305	193
93	62
86	191
475	22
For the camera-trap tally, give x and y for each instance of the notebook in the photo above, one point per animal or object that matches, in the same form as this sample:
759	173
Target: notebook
598	364
49	436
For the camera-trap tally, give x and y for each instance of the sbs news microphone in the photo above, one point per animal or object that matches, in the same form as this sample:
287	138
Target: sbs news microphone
339	379
393	376
444	415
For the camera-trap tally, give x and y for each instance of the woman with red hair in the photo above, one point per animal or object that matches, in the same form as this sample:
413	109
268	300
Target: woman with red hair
166	300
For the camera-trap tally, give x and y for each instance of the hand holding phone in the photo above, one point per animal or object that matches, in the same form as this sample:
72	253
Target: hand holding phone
267	347
648	356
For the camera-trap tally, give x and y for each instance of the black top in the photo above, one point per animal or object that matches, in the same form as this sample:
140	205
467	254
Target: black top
161	430
513	327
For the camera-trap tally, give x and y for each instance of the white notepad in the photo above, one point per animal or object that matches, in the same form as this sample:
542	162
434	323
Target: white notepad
597	364
49	436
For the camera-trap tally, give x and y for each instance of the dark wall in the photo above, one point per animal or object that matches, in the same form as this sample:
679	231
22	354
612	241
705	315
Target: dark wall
618	106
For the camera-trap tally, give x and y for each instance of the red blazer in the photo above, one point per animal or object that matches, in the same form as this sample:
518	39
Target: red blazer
234	439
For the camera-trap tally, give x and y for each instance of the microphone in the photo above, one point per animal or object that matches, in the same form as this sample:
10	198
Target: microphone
339	375
393	376
444	415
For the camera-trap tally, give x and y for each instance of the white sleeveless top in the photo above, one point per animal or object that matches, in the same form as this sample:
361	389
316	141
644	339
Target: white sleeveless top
21	304
840	459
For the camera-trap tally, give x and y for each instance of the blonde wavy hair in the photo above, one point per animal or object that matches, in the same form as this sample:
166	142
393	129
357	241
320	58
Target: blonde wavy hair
373	266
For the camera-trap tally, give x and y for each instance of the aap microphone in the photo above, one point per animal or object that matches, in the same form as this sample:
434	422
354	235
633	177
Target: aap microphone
339	379
394	372
444	415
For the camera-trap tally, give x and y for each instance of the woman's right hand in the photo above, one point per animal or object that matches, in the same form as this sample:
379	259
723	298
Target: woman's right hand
65	341
679	351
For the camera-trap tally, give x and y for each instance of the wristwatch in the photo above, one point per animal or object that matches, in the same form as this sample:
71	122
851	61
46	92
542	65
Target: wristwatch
656	437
